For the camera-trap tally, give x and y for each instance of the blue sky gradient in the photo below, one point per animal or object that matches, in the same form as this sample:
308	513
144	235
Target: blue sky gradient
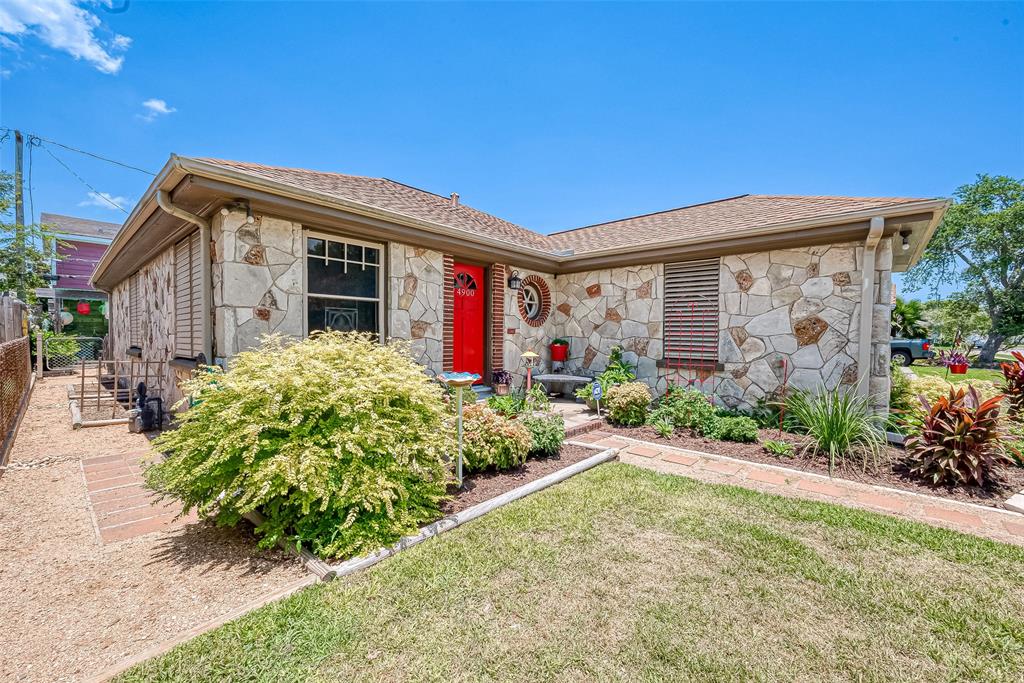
549	115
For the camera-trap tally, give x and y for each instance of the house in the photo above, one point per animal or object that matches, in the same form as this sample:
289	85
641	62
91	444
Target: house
744	295
82	244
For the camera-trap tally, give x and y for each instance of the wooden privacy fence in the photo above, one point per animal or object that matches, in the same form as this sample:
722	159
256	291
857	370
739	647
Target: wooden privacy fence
15	382
13	318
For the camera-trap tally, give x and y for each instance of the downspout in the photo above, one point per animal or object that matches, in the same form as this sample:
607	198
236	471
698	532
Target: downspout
867	304
163	200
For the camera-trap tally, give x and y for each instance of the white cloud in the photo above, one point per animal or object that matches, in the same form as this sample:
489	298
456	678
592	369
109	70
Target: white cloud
64	26
155	108
104	200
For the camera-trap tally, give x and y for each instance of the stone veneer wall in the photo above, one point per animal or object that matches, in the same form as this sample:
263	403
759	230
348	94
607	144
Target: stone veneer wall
416	301
156	289
797	312
257	280
600	309
520	336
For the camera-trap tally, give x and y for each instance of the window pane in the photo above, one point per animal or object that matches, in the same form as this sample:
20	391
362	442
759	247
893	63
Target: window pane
372	255
355	253
336	250
314	246
329	277
345	316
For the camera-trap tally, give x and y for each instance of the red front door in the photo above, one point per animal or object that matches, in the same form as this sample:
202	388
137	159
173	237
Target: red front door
469	319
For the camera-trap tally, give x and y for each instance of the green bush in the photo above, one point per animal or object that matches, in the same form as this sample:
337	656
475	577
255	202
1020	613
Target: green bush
341	443
547	432
617	371
736	428
509	405
663	427
491	440
685	408
840	425
628	403
780	448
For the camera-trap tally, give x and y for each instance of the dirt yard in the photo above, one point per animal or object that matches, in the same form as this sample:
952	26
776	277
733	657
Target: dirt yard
72	605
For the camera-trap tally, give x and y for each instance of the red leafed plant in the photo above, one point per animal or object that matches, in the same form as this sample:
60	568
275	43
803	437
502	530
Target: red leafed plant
1013	383
960	442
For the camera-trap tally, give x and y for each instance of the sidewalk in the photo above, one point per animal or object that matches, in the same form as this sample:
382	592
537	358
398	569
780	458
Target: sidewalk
988	522
92	572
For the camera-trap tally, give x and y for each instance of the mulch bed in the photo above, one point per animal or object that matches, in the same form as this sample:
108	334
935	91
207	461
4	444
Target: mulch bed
895	475
481	486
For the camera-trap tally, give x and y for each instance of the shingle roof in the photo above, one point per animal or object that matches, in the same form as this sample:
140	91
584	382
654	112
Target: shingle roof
84	227
392	196
714	219
709	220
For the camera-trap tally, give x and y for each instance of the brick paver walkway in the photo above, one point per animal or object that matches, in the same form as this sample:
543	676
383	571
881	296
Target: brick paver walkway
993	523
122	507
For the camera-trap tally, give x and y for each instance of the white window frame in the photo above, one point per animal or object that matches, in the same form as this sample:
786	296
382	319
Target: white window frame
381	291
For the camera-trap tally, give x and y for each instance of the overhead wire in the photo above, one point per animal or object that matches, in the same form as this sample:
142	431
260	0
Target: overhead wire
82	180
7	132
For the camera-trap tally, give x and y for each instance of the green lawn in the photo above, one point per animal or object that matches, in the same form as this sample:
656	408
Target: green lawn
972	373
626	574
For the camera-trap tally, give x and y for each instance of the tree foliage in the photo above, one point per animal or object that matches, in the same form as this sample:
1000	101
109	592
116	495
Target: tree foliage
979	248
25	250
908	319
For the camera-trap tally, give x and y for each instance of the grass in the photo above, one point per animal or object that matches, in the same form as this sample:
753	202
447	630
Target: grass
626	574
972	373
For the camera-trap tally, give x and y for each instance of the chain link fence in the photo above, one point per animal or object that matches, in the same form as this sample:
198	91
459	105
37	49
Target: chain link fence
63	352
15	377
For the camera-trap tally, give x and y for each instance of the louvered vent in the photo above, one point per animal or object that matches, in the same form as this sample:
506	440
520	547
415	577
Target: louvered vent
188	315
134	311
691	311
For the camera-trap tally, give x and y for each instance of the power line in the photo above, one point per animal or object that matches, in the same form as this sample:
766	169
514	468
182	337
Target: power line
82	180
31	199
82	151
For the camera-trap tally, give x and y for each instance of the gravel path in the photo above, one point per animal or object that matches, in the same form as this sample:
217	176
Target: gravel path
71	606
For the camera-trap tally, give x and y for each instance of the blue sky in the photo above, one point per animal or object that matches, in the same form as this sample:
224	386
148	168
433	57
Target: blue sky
549	115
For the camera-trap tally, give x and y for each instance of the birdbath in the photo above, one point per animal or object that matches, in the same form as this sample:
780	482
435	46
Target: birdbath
459	380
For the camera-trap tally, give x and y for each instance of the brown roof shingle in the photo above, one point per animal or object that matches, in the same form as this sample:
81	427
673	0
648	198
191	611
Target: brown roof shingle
85	227
709	220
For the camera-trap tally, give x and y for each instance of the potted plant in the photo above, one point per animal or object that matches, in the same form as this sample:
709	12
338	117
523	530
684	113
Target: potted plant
559	349
956	362
502	380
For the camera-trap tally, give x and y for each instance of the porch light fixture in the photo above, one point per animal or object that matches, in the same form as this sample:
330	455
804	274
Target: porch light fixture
905	234
514	281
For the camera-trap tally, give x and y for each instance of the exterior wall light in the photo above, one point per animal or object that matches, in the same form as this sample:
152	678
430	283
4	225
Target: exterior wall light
514	281
905	234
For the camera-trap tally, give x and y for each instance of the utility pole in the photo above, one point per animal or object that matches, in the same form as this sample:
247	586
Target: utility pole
19	212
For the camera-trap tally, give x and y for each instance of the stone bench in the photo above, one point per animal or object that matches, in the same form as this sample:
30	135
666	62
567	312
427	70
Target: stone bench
557	378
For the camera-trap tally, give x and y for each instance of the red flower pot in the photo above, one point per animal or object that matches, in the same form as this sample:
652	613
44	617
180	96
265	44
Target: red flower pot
958	369
559	352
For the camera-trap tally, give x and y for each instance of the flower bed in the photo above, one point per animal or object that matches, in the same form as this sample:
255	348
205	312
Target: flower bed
893	473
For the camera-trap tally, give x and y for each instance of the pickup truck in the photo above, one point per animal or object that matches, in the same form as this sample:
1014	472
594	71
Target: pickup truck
906	351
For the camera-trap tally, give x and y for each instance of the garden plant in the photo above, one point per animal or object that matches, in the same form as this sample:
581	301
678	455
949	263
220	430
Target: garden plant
839	425
340	442
491	440
628	403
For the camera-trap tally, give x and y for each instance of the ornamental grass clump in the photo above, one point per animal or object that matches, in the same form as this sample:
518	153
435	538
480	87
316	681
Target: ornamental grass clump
491	440
342	444
839	425
960	442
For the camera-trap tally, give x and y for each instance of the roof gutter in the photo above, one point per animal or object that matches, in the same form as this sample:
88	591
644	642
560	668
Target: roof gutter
867	305
163	200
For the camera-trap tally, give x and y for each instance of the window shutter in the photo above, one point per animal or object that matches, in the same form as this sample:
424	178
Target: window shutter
134	311
188	320
691	311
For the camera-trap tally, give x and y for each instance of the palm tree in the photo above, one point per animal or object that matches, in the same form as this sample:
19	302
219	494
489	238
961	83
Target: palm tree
908	320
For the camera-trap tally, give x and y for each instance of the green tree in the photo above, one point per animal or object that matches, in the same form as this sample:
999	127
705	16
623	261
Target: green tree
908	319
25	251
979	248
956	315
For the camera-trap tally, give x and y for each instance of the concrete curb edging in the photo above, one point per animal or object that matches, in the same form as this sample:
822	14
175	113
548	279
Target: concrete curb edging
825	477
451	521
